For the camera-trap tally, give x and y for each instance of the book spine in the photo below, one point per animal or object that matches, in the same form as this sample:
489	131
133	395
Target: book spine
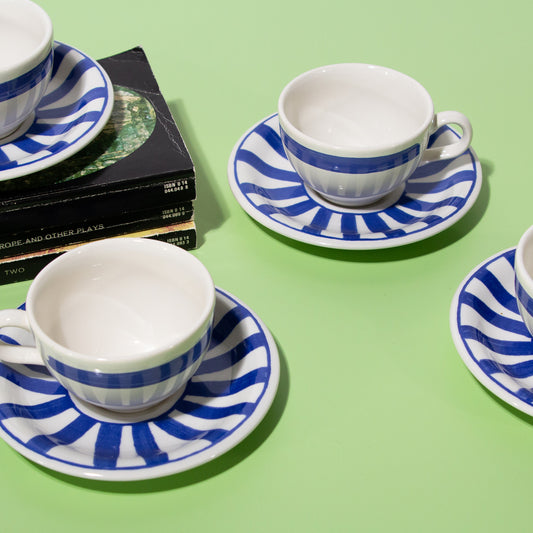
26	267
104	205
88	230
31	198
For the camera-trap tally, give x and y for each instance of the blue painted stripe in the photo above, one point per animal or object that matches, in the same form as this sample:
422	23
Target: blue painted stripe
491	316
69	434
107	447
517	371
498	291
428	207
51	130
376	224
399	215
31	146
431	168
289	211
502	347
68	110
232	357
524	297
183	432
320	221
31	384
225	325
37	411
349	226
69	81
227	388
271	137
21	84
150	376
60	52
525	395
442	184
264	168
208	412
146	446
275	194
349	165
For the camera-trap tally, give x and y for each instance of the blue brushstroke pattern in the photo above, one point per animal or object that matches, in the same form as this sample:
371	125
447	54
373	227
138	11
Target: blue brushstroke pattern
291	186
107	447
502	345
42	127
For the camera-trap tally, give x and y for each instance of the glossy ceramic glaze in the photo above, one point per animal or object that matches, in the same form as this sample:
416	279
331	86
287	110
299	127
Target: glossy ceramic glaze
121	323
524	278
26	55
490	334
56	131
266	186
221	404
356	132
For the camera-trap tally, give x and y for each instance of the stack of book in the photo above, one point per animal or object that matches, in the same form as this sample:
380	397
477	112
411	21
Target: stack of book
135	179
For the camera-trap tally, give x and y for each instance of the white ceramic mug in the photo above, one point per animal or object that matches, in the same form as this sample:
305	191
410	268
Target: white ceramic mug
523	266
355	132
121	323
26	56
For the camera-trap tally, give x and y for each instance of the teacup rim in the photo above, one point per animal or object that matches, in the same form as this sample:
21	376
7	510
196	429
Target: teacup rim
141	360
344	151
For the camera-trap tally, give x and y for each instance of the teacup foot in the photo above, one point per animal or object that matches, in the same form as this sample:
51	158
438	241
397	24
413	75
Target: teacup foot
373	203
17	131
131	416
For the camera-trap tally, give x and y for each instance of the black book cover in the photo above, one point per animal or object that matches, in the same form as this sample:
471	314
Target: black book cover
103	204
141	145
80	231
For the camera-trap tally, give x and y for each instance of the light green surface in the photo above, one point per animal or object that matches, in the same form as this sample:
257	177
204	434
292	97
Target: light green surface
378	425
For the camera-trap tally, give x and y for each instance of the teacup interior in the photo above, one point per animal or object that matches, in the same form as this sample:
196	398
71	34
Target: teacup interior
356	105
113	305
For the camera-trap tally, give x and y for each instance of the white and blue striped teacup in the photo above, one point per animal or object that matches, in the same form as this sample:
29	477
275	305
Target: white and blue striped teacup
26	39
121	323
356	132
523	266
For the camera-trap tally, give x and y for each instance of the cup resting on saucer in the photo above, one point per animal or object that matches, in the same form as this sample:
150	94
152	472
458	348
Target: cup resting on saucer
355	132
121	323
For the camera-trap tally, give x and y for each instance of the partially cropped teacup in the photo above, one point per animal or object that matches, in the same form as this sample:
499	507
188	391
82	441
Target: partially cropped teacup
355	132
121	323
26	55
523	266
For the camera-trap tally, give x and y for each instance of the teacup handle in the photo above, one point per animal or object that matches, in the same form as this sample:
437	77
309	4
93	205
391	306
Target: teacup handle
25	355
454	149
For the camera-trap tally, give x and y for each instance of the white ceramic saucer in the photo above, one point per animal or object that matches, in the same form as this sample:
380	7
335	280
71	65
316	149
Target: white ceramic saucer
225	400
489	333
75	108
264	183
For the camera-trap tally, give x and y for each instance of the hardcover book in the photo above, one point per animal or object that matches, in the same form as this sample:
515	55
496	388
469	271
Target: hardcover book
27	266
79	231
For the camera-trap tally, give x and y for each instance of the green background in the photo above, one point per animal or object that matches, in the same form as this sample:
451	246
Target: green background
377	425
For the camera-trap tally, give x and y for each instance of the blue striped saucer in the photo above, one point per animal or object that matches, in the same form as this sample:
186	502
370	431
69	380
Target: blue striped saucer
264	183
224	401
74	109
489	332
